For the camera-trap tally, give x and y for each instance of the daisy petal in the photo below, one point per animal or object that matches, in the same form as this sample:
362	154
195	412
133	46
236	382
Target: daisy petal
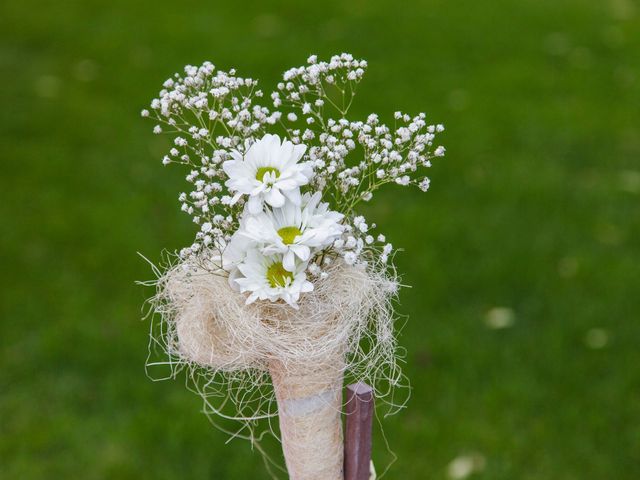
293	195
289	262
255	205
274	198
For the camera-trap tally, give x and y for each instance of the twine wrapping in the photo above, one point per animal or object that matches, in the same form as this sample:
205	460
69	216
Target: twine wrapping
309	405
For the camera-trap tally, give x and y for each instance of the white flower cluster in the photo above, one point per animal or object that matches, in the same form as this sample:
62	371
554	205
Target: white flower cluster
257	198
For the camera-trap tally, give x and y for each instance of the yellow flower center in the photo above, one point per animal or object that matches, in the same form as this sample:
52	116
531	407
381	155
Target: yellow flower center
289	234
262	171
277	276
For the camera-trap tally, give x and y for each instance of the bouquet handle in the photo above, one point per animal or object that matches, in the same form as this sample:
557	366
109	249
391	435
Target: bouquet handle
309	409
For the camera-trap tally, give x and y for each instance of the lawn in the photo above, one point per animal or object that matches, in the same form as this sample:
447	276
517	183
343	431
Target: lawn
524	257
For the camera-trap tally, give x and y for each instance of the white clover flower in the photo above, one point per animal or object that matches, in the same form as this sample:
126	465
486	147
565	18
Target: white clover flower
268	172
294	230
267	279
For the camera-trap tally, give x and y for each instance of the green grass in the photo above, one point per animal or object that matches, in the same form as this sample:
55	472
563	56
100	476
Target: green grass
535	208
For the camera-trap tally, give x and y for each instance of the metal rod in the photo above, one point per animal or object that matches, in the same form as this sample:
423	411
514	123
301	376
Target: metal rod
359	424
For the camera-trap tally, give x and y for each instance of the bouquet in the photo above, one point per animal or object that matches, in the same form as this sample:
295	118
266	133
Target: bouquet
286	287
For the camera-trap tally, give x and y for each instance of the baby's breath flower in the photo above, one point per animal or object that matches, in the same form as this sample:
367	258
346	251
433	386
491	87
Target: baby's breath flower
424	184
350	258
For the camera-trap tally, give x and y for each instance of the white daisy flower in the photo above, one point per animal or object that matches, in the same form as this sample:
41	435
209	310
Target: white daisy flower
233	253
268	171
294	230
267	279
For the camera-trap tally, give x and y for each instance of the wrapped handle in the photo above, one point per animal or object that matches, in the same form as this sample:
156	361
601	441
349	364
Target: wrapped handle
309	408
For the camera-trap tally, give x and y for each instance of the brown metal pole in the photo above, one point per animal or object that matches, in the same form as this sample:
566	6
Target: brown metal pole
359	423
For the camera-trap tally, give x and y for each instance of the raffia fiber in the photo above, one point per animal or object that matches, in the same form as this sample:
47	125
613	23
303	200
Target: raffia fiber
250	355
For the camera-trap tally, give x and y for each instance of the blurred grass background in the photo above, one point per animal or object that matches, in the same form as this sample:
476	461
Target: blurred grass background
522	342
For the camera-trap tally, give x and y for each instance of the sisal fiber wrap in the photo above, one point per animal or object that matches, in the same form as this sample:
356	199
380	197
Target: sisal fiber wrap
309	410
252	356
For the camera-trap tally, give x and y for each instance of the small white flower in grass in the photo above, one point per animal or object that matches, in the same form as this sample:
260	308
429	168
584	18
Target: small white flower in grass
294	230
267	279
596	338
498	318
463	466
269	171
